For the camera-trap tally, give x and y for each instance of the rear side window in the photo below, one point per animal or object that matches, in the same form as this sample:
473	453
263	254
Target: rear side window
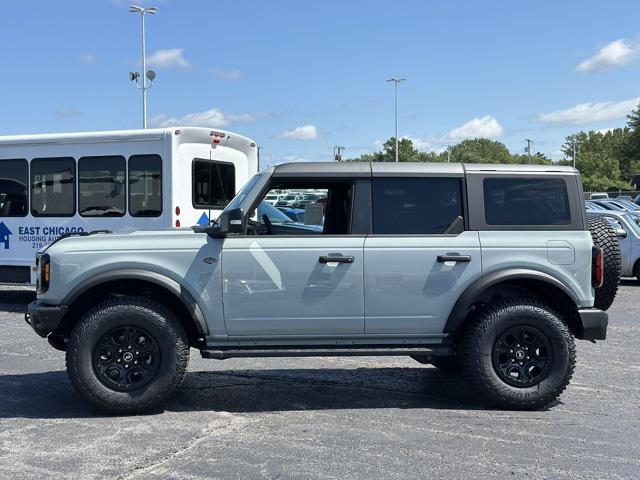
214	183
420	206
53	187
14	178
526	201
145	186
101	186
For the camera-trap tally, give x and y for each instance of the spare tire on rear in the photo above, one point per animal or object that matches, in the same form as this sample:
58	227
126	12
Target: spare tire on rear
605	237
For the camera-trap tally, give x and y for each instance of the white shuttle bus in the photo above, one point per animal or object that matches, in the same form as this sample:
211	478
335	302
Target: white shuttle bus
120	181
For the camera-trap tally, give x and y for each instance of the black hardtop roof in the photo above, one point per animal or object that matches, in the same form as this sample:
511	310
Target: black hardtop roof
392	169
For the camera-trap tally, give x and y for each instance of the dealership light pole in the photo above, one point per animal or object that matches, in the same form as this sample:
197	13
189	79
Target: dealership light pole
141	80
396	81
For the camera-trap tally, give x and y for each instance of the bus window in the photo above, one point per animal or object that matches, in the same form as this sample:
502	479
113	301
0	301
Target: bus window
214	183
13	188
101	186
145	186
53	187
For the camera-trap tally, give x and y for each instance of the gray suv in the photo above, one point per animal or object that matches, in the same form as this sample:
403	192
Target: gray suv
490	270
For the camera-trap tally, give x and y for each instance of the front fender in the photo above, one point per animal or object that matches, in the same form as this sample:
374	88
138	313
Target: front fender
156	278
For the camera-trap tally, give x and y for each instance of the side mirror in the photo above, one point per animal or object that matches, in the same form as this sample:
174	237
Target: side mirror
232	221
621	232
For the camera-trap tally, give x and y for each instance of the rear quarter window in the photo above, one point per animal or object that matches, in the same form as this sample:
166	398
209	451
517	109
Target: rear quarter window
526	201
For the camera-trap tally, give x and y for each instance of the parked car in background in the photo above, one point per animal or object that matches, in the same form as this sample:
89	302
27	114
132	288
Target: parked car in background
624	197
599	196
273	199
628	232
296	214
289	200
628	204
609	205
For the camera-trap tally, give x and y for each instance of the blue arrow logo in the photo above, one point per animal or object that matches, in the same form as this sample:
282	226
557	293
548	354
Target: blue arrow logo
4	235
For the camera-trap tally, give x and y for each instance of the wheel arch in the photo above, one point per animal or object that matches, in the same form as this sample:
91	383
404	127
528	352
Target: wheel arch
561	297
162	288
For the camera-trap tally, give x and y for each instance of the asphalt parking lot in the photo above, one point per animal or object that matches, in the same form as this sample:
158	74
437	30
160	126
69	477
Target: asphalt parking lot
321	418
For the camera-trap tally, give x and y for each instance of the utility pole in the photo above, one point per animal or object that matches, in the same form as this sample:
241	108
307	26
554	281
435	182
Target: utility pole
337	153
528	148
396	81
448	155
141	80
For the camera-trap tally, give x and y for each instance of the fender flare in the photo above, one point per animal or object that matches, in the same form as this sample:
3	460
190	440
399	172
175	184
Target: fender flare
472	292
156	278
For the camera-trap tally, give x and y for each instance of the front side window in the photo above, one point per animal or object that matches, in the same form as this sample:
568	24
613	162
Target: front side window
14	178
526	201
101	186
53	187
145	185
214	183
416	206
305	209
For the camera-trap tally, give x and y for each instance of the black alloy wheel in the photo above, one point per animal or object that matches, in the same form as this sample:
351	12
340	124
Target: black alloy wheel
126	358
522	356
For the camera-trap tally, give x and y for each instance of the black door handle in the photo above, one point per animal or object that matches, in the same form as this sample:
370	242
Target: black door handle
454	258
336	259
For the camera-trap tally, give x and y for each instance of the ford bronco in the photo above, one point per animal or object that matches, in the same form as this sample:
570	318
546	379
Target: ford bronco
490	270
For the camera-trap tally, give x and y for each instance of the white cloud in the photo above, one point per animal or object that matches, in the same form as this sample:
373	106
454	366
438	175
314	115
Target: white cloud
208	118
87	58
169	58
590	112
230	75
306	132
420	144
613	55
485	127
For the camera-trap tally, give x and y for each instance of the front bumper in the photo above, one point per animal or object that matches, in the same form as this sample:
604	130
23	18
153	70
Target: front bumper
594	324
44	318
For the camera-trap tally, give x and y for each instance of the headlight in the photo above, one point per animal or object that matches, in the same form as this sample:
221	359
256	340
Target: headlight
43	273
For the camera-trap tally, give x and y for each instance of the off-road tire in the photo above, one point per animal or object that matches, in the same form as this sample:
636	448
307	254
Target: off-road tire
605	237
480	337
128	312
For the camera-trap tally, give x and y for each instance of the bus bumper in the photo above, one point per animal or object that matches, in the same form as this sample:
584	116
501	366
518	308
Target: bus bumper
44	318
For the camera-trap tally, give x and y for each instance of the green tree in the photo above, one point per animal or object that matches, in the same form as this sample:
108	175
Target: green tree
481	150
601	158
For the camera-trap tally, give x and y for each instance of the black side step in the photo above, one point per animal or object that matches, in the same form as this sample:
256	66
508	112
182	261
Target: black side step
434	351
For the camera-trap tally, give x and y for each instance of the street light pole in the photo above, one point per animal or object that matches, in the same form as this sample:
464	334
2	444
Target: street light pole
528	148
143	85
396	81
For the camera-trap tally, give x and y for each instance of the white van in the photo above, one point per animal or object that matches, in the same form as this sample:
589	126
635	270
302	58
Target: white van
120	180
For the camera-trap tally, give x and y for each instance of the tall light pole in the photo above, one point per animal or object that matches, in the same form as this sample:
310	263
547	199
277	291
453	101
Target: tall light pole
528	148
141	80
396	81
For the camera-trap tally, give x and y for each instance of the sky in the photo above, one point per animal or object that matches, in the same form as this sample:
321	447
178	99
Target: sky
300	77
